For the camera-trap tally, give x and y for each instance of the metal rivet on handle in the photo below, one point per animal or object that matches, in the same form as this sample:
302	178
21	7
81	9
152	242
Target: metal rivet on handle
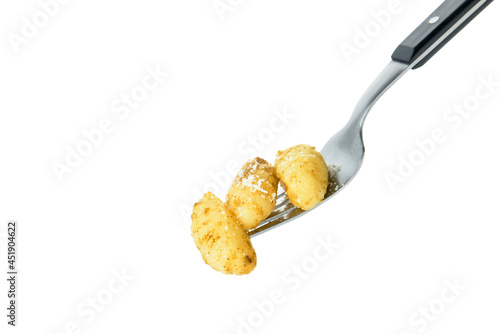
434	19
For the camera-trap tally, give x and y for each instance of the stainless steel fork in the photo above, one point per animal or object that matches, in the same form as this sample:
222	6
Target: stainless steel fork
345	149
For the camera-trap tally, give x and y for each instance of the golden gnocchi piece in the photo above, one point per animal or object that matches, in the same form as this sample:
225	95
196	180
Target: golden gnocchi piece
252	196
224	244
303	174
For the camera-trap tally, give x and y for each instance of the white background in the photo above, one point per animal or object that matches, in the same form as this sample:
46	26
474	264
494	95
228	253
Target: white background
120	209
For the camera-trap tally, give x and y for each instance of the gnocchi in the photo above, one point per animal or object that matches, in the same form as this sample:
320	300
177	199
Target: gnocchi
223	243
303	174
252	196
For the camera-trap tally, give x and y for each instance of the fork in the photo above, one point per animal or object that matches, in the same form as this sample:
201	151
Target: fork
345	149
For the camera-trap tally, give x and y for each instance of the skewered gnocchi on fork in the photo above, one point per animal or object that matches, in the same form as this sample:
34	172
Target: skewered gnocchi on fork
220	229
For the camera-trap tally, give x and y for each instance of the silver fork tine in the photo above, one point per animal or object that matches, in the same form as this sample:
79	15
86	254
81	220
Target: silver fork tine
286	212
277	220
290	212
277	213
282	200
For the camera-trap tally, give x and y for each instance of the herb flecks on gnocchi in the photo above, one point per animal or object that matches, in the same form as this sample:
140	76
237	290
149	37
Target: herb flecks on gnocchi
223	243
252	196
303	174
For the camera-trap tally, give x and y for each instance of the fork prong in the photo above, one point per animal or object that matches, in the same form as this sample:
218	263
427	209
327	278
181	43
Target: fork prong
276	214
285	211
286	215
281	197
282	200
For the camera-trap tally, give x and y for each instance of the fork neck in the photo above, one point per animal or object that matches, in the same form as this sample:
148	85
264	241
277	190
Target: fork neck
391	73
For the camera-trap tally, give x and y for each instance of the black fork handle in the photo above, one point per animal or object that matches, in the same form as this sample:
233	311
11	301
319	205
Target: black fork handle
437	30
